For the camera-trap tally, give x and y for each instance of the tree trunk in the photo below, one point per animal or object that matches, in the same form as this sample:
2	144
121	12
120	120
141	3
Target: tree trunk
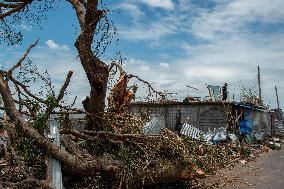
97	73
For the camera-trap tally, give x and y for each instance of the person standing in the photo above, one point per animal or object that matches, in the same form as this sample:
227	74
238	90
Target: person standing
224	92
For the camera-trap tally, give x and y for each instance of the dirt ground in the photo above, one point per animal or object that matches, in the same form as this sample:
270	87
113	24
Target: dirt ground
266	172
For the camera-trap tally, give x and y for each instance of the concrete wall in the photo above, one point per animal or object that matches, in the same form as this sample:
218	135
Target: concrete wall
201	115
261	122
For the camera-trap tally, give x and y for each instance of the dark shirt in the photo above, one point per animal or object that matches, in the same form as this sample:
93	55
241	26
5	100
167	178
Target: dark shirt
224	93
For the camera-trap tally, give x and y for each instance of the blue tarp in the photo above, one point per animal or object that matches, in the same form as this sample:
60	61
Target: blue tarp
246	126
246	123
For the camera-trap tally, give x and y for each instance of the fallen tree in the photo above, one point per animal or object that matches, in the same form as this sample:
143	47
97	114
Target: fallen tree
111	151
87	163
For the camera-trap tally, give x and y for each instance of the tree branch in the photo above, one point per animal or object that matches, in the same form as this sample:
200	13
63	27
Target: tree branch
29	183
117	66
24	87
16	9
80	12
4	5
17	160
22	58
121	136
73	163
64	87
77	134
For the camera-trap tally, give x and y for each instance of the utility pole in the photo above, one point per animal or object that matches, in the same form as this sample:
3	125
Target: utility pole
277	97
259	87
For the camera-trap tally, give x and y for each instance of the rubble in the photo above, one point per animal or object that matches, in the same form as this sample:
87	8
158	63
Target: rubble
259	136
189	130
243	161
274	145
233	138
220	136
153	126
211	137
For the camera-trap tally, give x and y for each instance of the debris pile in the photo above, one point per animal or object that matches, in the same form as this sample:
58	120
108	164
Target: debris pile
211	137
189	130
144	147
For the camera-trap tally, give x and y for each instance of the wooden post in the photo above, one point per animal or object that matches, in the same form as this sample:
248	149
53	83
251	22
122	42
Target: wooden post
259	87
277	99
272	126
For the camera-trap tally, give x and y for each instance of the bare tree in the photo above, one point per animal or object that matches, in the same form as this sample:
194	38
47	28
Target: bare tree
97	72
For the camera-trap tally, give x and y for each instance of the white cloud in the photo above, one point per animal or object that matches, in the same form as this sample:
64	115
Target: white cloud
224	19
165	4
233	17
53	45
164	65
57	63
160	79
234	61
138	63
131	9
232	40
153	31
23	26
229	53
145	68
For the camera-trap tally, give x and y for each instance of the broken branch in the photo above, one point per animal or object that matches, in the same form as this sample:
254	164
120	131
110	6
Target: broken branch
19	63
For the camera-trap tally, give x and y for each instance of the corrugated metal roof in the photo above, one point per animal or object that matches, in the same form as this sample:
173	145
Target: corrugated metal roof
189	130
153	127
251	106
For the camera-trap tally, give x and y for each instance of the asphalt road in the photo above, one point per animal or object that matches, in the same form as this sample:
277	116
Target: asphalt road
271	171
266	172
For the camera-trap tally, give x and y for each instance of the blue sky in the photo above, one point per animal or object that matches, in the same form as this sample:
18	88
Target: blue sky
172	43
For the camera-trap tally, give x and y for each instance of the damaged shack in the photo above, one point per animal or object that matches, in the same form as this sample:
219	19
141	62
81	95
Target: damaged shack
209	115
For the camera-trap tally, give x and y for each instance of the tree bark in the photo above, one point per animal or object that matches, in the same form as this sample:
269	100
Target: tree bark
97	74
96	70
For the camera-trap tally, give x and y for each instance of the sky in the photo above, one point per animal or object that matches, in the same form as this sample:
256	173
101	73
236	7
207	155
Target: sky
171	44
